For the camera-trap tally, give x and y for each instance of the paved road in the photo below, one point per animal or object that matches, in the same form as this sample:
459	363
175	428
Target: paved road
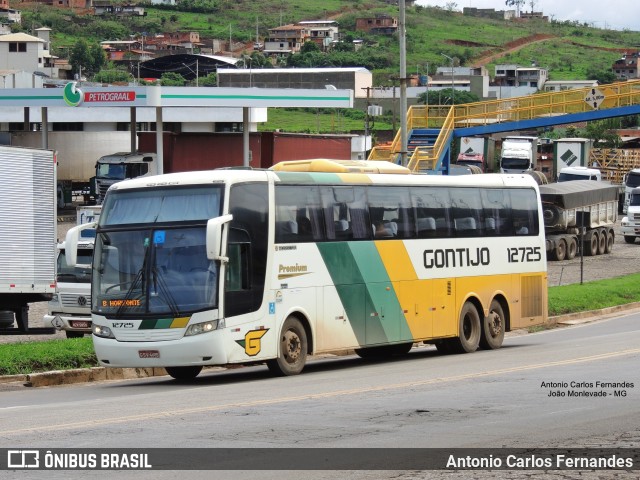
488	399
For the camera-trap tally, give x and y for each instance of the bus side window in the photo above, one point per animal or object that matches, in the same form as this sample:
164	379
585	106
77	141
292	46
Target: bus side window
467	212
524	211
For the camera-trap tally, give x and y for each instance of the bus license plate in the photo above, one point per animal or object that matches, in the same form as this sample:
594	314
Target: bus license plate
149	353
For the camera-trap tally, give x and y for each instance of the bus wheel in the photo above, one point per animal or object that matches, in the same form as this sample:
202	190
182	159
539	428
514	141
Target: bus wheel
610	241
629	239
184	373
572	248
469	329
293	349
493	327
561	250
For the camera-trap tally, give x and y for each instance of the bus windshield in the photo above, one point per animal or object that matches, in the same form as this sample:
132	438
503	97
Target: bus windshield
159	264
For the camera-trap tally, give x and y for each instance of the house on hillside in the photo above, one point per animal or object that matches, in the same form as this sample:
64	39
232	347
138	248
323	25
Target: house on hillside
22	52
489	13
627	66
518	76
381	24
107	8
290	38
8	14
321	32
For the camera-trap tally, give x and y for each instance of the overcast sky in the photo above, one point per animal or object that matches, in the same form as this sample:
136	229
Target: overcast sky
612	14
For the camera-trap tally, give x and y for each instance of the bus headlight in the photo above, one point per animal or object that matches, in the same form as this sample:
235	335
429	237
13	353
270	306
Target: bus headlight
204	327
102	331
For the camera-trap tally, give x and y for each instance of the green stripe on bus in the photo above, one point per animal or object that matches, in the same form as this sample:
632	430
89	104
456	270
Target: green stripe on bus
365	291
155	323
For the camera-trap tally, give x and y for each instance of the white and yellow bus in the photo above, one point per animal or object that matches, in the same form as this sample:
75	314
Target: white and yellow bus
237	266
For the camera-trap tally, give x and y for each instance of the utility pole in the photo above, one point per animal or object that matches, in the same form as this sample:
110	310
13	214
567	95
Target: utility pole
452	84
403	82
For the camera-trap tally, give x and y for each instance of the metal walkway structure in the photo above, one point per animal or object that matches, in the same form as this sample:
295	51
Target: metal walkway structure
432	128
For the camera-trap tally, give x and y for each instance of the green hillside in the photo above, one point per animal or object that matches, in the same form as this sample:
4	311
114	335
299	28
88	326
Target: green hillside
573	51
569	50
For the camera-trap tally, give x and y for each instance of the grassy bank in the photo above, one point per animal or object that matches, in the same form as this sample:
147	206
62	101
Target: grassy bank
24	358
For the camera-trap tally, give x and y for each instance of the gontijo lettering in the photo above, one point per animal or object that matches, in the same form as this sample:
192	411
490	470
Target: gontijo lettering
456	257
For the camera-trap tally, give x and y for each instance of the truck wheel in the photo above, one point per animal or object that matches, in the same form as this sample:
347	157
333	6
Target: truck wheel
560	251
572	248
493	327
602	241
629	239
293	349
469	330
610	241
184	373
591	244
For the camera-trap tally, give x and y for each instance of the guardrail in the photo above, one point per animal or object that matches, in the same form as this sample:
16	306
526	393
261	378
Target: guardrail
615	95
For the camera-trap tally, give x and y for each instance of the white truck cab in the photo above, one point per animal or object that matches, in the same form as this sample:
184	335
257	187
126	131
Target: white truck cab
631	223
70	307
579	173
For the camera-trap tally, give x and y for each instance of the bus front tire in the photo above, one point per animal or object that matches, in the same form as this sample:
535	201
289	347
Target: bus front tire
493	327
184	373
469	330
293	349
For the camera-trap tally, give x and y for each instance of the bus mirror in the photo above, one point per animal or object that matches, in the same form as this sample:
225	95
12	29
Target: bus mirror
71	242
214	237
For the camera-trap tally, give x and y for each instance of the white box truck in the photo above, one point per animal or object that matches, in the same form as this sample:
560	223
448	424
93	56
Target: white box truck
27	235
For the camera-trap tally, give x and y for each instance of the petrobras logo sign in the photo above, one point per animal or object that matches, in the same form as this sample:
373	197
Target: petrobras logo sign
74	96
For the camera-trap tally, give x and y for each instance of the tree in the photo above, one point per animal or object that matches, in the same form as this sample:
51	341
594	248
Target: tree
210	80
515	3
443	97
172	79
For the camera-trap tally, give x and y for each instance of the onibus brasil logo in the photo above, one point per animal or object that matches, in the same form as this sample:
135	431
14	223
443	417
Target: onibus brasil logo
72	95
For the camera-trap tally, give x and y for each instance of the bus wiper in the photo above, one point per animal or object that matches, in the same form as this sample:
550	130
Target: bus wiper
158	281
138	279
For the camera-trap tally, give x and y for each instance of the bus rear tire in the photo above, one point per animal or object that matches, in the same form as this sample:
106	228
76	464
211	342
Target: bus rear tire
293	349
493	327
629	239
469	330
184	373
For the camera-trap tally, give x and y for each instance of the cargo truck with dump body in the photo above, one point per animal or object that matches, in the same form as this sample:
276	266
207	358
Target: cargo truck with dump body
27	234
519	154
69	309
579	214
